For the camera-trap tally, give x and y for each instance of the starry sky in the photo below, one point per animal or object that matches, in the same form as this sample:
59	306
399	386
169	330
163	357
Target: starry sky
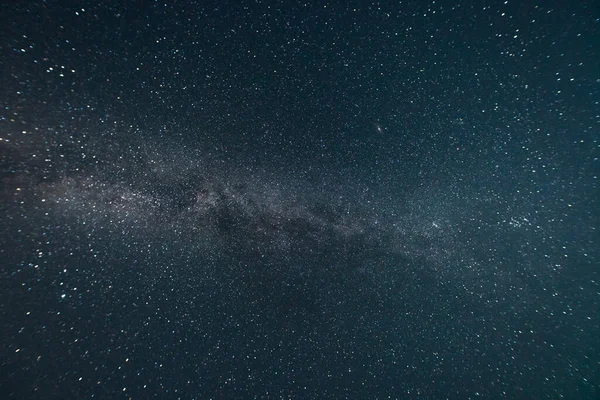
273	199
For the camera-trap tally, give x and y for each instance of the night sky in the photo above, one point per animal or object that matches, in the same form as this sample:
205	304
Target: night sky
280	199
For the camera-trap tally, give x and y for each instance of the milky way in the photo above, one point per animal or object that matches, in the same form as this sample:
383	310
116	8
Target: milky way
178	196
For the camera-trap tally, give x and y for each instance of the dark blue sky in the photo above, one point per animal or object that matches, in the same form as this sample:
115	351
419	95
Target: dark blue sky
304	200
